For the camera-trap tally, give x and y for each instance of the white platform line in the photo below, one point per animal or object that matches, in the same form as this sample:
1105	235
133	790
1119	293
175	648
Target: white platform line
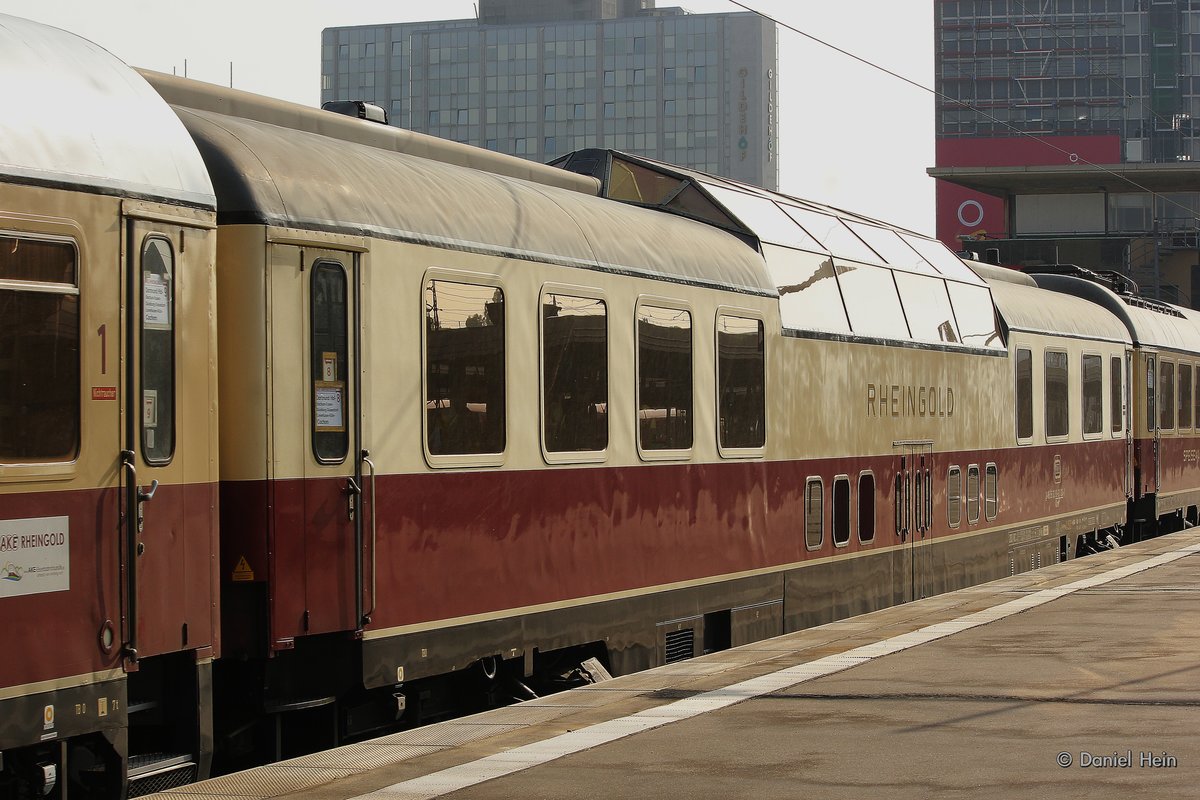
521	758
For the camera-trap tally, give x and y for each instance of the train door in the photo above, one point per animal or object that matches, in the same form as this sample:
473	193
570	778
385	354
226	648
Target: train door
1149	460
329	495
169	482
169	455
912	568
1127	418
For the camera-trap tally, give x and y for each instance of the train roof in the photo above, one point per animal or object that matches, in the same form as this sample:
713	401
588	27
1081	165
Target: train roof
1031	309
836	272
77	116
273	175
232	102
1148	324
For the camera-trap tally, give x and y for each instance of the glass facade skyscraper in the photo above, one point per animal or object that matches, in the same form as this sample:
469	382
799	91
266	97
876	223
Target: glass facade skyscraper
1069	131
692	89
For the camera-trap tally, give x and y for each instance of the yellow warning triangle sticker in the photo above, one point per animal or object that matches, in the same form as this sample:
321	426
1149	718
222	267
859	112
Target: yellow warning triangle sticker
242	571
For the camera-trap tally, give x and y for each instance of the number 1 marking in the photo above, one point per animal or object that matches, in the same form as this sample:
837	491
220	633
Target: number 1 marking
102	332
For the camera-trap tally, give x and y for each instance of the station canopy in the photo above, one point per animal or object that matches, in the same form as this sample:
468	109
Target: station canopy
836	272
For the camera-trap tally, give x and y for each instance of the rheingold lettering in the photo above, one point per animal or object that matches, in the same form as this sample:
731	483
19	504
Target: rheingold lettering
908	400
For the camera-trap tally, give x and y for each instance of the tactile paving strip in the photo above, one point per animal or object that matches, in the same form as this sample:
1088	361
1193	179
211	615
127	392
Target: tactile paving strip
365	757
447	734
270	781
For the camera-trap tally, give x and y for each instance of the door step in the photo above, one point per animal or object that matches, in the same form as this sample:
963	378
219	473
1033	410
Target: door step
156	772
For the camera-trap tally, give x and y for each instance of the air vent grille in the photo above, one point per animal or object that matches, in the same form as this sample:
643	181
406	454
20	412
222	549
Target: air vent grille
680	645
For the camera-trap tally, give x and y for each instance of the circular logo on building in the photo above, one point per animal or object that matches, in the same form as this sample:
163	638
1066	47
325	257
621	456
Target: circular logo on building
973	208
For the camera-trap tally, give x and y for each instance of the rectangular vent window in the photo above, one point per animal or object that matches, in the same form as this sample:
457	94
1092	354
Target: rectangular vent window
680	645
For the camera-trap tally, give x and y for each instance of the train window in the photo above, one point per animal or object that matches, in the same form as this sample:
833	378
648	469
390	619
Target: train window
841	510
898	501
1196	397
39	350
1024	367
954	497
664	378
1166	395
866	507
158	350
990	492
1092	378
741	399
814	513
1116	393
1150	394
574	373
1185	396
973	494
918	504
329	361
465	387
1057	381
929	498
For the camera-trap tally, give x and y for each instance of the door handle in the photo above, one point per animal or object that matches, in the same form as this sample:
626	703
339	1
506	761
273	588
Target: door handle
145	496
353	491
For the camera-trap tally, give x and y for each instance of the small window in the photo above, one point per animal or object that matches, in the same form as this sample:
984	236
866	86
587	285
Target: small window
1166	395
465	386
973	494
664	378
1185	396
814	513
740	382
1151	418
1092	377
1057	377
918	504
330	369
1116	393
928	497
841	510
866	507
990	487
898	502
39	351
574	373
954	497
1024	368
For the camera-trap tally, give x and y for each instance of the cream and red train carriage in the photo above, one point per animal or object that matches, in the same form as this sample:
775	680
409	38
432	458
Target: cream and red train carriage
1163	471
480	420
108	424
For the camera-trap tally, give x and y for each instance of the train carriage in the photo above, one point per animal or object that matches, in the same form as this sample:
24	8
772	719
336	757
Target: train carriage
488	428
108	431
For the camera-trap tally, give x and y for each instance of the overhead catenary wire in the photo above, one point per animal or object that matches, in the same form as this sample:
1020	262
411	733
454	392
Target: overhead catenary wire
1072	157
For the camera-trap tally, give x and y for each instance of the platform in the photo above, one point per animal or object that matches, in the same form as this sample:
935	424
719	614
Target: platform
1076	680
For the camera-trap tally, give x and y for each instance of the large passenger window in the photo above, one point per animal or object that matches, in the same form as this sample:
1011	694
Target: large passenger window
1057	377
1116	393
574	373
1024	369
39	350
1166	395
158	350
464	368
740	382
814	513
664	378
1185	396
1093	393
329	362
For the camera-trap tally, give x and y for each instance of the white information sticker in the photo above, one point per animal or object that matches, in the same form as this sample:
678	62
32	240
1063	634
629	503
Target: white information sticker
156	302
329	407
35	556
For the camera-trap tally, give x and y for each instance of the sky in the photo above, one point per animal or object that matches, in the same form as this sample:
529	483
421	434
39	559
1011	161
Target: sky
850	135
